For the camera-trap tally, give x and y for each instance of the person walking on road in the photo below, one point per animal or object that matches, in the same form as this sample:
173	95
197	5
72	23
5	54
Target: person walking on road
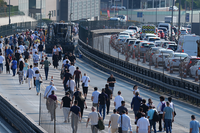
14	66
111	80
144	106
76	114
40	49
66	104
121	108
94	117
72	68
113	121
160	109
124	121
46	67
136	101
26	55
95	97
77	75
26	65
52	101
135	89
81	103
150	117
71	85
30	74
118	100
1	62
194	125
108	91
8	60
168	117
85	83
103	97
37	77
20	72
143	125
66	78
55	57
59	53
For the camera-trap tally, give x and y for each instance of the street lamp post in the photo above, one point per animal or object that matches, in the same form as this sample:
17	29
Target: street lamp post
192	15
9	12
172	18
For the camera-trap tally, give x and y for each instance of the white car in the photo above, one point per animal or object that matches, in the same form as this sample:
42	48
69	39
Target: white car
121	39
118	7
134	28
165	43
131	32
175	59
126	42
183	32
158	43
136	43
153	39
151	51
174	8
194	68
146	36
161	55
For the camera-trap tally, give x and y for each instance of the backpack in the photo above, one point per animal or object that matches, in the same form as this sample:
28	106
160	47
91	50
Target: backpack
156	116
163	106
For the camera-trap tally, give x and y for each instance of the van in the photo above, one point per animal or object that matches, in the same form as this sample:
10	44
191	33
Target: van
187	44
147	29
165	25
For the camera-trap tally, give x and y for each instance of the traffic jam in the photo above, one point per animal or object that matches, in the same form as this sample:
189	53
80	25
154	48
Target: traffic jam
150	45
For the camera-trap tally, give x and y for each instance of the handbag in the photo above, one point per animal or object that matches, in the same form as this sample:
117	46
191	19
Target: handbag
101	125
120	128
83	84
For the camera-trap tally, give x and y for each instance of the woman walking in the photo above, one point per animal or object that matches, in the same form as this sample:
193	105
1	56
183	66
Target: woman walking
81	102
60	53
14	66
8	64
37	81
55	57
26	65
20	72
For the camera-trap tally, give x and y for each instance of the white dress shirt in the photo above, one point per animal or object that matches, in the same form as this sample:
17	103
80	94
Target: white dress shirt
118	100
48	91
143	124
126	122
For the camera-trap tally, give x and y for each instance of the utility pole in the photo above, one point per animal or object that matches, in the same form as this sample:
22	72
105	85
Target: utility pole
179	18
156	11
9	12
192	15
114	7
172	19
40	14
127	8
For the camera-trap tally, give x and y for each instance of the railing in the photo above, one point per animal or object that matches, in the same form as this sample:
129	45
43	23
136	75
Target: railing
154	79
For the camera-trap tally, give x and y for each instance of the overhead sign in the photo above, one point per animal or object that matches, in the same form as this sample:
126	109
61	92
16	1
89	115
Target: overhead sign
139	14
187	17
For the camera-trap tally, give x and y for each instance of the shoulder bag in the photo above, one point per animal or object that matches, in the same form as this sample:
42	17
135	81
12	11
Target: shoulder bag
47	93
83	84
120	128
101	125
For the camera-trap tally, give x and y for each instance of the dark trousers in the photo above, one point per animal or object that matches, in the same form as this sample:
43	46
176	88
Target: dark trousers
152	123
46	70
108	106
168	123
77	81
160	122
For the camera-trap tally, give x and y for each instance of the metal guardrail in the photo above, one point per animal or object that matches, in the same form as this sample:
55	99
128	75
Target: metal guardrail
19	119
168	84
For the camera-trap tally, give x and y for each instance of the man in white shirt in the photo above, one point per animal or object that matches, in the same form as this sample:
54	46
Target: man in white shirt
160	108
124	122
94	98
36	67
93	116
72	68
118	99
71	83
49	89
36	58
143	125
64	61
85	79
34	50
113	121
1	62
1	46
22	48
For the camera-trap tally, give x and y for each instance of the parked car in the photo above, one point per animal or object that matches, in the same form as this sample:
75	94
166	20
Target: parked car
118	7
161	55
188	62
175	59
122	38
151	51
194	68
153	39
143	47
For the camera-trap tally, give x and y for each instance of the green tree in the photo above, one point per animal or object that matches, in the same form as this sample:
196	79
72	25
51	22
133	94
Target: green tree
188	4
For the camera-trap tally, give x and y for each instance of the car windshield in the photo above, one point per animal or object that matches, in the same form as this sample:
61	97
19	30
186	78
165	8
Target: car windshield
123	37
160	31
173	47
154	39
145	44
180	55
167	51
137	42
165	26
164	29
131	42
123	34
151	45
134	28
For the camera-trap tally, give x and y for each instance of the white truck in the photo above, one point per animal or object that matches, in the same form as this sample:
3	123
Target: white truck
168	19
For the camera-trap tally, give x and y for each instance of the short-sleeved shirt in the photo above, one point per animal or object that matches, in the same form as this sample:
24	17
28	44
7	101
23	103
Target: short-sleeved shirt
76	94
85	80
150	113
195	126
46	63
75	109
72	58
168	112
121	108
66	101
67	75
143	124
145	108
93	118
118	100
77	74
114	118
108	92
111	79
40	47
71	84
54	97
103	98
95	95
26	66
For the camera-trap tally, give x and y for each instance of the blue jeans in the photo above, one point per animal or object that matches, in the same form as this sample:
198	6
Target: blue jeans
14	71
1	67
104	110
46	70
153	123
168	123
112	89
37	82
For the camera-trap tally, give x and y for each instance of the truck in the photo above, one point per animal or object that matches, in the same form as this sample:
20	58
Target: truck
60	34
147	28
168	19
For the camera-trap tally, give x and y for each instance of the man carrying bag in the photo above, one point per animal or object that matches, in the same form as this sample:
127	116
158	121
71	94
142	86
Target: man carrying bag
124	122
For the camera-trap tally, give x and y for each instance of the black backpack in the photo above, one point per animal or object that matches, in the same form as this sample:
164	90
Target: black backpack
156	116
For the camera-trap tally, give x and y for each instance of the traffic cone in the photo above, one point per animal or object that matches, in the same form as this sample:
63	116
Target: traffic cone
196	76
168	65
